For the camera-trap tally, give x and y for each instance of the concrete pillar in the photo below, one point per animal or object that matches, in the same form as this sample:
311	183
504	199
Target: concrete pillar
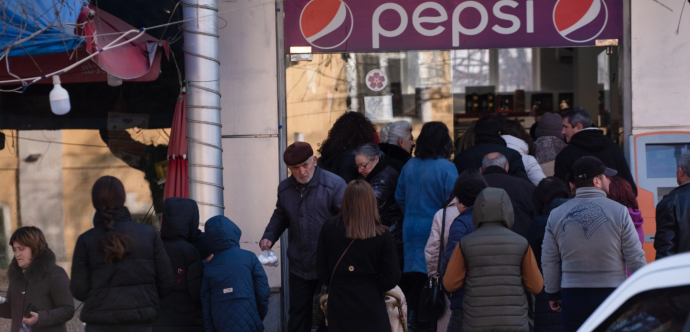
248	81
40	187
585	83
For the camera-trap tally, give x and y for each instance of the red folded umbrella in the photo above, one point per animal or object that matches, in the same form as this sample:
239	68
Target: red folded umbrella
176	181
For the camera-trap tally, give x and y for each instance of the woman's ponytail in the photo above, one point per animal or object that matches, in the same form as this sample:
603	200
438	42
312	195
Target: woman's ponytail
108	194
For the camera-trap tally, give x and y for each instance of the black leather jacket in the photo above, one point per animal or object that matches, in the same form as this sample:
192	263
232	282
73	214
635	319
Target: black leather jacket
384	179
673	223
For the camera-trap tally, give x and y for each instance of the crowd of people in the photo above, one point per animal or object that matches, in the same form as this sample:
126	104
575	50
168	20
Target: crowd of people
130	278
524	232
556	214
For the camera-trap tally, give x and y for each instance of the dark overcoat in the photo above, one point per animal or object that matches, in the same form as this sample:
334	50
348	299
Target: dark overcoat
366	272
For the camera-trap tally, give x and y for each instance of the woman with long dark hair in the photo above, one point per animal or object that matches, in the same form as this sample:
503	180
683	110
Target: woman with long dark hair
551	193
425	184
120	267
356	257
349	132
37	285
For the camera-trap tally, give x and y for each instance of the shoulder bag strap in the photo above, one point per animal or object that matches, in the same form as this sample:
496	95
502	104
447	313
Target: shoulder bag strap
441	248
336	264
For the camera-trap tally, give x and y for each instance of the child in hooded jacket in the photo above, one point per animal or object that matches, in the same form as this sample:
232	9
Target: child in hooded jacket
234	290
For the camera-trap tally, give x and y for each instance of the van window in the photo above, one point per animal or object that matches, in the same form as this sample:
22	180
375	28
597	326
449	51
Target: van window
655	310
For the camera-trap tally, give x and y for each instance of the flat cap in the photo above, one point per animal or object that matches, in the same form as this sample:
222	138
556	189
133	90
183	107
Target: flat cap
297	153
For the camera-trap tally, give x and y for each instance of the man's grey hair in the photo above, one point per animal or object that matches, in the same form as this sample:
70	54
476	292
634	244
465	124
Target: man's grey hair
684	162
578	115
370	151
391	132
494	159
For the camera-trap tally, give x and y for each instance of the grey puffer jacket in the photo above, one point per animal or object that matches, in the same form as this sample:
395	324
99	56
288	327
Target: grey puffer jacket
304	214
494	256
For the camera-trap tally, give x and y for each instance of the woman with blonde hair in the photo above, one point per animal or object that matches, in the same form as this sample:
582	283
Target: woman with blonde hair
38	287
356	257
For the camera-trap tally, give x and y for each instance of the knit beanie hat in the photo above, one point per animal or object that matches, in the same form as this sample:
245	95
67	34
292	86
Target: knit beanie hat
201	244
469	190
550	124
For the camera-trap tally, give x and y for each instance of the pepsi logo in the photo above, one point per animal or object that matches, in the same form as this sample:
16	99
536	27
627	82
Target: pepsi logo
580	21
326	24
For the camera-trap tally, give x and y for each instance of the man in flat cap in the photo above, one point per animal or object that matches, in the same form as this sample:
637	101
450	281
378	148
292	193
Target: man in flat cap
307	199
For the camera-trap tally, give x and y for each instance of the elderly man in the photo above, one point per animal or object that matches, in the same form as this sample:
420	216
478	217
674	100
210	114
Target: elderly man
397	143
588	243
585	140
673	215
306	200
495	168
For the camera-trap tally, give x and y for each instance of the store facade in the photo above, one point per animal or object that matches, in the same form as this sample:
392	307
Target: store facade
528	57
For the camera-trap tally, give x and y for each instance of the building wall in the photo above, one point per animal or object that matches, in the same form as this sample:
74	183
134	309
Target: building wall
54	191
660	67
248	82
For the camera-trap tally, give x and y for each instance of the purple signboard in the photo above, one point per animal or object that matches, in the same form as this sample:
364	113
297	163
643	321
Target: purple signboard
378	25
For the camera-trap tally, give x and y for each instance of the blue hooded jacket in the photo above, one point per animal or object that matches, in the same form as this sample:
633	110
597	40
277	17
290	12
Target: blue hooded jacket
234	291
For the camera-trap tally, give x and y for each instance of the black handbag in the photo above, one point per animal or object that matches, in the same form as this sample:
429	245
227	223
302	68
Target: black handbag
432	298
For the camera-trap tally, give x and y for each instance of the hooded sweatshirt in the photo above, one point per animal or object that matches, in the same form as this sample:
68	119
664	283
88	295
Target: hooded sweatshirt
534	171
234	291
495	265
592	142
588	242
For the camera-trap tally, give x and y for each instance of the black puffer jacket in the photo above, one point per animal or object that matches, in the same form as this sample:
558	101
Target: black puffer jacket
545	319
181	309
341	163
592	142
384	179
485	144
126	293
397	157
673	223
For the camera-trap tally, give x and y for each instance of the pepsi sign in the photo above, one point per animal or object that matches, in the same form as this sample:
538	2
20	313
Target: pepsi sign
380	25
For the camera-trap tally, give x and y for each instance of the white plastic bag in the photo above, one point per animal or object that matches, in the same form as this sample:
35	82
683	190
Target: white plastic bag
268	258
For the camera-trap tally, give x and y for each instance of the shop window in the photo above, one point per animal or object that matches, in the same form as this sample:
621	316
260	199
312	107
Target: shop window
515	69
469	68
655	310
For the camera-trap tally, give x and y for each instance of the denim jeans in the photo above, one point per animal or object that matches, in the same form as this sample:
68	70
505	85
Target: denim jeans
579	303
455	323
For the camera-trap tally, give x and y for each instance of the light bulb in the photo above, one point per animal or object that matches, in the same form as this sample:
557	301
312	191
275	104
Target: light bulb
59	98
114	80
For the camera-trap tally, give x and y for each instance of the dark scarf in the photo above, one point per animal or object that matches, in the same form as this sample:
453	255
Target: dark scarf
36	271
494	170
377	169
395	152
119	214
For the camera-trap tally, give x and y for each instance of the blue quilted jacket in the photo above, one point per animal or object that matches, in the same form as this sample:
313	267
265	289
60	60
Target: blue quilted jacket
234	291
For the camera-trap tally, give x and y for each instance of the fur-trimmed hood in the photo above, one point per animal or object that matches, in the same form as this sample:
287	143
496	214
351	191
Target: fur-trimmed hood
36	271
